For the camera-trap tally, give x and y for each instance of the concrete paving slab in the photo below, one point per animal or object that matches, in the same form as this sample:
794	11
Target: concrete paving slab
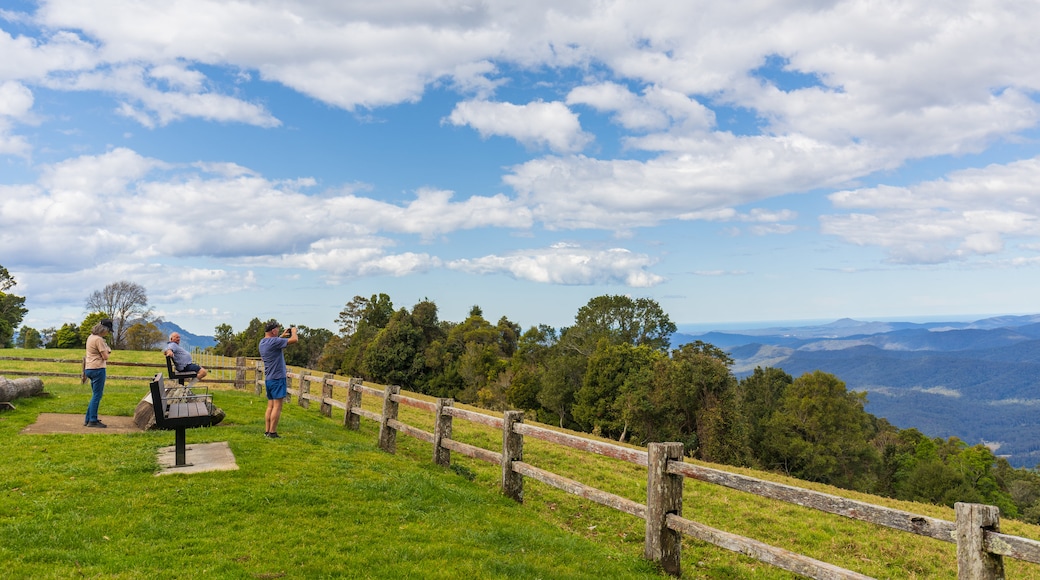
199	457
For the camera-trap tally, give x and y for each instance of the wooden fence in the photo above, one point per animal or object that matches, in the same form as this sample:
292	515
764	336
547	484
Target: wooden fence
976	532
232	371
981	546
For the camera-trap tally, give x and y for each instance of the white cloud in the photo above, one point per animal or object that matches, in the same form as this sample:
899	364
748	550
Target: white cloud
536	124
711	175
151	105
656	110
121	206
969	213
568	264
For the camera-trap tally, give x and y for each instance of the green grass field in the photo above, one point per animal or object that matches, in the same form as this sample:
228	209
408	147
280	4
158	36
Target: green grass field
324	502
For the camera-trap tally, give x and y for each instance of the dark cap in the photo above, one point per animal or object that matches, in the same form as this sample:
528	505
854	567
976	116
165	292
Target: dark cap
107	323
271	325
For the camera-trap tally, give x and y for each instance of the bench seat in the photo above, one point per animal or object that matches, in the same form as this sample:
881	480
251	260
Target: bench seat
185	410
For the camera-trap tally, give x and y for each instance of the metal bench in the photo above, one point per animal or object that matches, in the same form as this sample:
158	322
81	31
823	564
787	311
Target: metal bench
176	375
178	412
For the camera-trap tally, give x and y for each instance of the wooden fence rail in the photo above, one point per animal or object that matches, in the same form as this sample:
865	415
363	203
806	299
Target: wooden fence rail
240	368
980	545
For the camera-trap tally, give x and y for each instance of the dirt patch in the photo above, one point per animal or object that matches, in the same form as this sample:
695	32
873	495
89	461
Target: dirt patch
65	423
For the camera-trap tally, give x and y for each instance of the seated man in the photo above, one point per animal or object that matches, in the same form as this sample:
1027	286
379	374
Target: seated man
181	357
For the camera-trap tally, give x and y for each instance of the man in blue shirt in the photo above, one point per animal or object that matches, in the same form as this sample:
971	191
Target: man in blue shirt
181	357
272	347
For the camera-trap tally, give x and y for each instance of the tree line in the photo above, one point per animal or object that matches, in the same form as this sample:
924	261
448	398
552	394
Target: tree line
613	373
126	303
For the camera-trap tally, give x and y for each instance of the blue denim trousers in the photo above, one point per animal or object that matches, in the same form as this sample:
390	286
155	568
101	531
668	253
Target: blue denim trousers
97	385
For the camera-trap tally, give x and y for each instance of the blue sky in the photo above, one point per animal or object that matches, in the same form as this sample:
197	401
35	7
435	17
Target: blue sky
736	162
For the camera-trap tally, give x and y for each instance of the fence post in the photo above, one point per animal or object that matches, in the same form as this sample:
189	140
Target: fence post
442	431
305	390
240	372
326	395
352	420
387	434
663	496
258	377
512	450
973	561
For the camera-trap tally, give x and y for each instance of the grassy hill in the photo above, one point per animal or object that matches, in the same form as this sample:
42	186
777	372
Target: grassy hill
325	502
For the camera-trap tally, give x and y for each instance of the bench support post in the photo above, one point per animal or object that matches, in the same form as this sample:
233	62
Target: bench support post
180	448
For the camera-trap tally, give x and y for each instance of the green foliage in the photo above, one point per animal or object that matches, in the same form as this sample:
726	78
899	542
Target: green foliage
88	324
760	395
144	336
615	392
696	394
620	319
395	355
67	337
12	309
821	433
29	337
310	344
245	343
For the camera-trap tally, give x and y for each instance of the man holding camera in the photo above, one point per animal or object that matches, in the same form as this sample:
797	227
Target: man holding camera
272	351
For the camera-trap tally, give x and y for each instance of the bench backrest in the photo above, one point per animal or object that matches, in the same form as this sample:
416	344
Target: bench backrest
158	399
176	375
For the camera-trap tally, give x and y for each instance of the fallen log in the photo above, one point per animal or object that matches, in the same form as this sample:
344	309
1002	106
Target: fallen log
20	388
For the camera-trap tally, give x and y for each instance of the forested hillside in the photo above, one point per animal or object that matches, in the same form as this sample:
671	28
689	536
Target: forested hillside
621	371
978	381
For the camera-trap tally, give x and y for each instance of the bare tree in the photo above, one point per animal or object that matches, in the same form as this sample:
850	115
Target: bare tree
124	302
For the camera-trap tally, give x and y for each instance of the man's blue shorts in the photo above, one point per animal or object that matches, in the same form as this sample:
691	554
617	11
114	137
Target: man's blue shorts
191	367
276	388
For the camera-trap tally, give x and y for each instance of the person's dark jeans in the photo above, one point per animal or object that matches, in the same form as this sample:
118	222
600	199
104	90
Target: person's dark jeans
97	385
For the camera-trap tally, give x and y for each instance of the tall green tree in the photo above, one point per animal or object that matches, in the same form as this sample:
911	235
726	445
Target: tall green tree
695	394
395	355
821	433
12	309
307	351
760	394
615	389
88	323
224	335
563	377
144	336
29	337
529	364
67	337
619	319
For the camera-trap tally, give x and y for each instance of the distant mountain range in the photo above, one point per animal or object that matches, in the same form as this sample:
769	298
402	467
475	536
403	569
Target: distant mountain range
978	381
188	340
